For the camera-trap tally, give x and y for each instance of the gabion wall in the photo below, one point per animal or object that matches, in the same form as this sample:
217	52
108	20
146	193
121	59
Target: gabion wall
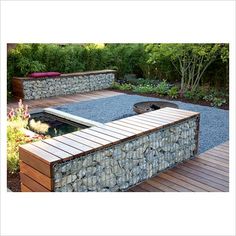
48	87
123	165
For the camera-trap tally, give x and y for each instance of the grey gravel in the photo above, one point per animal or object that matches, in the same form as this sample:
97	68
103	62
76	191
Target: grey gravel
214	122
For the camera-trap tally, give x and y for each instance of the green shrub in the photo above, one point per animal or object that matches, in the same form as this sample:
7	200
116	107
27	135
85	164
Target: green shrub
189	95
173	92
144	89
123	87
162	88
17	121
218	102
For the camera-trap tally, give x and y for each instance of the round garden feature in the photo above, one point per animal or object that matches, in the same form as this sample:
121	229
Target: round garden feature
142	107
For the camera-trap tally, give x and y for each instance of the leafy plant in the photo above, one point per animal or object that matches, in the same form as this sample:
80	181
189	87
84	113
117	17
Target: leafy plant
218	102
173	92
162	88
144	89
17	121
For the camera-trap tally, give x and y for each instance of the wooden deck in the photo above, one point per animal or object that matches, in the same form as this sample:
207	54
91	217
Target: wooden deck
60	100
209	172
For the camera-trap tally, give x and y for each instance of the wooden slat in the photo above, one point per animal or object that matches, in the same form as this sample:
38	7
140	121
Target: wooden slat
219	167
36	175
39	153
99	135
202	180
216	158
109	132
204	175
145	122
152	121
178	184
157	119
191	181
175	114
208	158
181	111
130	126
159	186
125	128
164	118
80	147
24	188
31	184
62	146
149	188
137	123
91	137
80	140
50	149
204	166
138	189
169	116
119	131
208	172
36	163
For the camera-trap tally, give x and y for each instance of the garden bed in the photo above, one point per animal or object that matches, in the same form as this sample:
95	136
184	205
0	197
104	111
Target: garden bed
224	106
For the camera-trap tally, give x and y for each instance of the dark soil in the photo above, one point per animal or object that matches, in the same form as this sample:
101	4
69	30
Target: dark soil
13	182
200	102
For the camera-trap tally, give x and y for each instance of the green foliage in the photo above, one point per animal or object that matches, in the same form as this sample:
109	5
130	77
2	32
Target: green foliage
195	63
162	88
218	102
17	121
144	89
217	99
173	92
189	95
124	87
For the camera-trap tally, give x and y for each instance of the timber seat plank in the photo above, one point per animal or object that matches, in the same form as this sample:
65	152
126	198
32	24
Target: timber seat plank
109	132
76	140
149	123
100	135
152	121
198	174
91	137
41	154
117	130
80	147
156	119
125	128
61	146
131	126
51	149
139	124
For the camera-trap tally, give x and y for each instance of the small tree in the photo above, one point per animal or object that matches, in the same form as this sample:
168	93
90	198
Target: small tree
189	60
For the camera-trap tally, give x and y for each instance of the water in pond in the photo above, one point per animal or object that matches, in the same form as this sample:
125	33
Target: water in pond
50	125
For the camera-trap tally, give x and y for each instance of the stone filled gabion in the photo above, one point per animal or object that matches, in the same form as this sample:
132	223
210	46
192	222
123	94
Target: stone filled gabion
48	87
123	165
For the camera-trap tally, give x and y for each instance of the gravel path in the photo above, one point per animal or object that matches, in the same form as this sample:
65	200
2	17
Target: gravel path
214	123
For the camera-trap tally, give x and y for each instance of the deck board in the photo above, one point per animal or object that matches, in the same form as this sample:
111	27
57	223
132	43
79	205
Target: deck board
60	100
209	172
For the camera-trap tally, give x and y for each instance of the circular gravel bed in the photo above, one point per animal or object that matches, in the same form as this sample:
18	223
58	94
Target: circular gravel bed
214	123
